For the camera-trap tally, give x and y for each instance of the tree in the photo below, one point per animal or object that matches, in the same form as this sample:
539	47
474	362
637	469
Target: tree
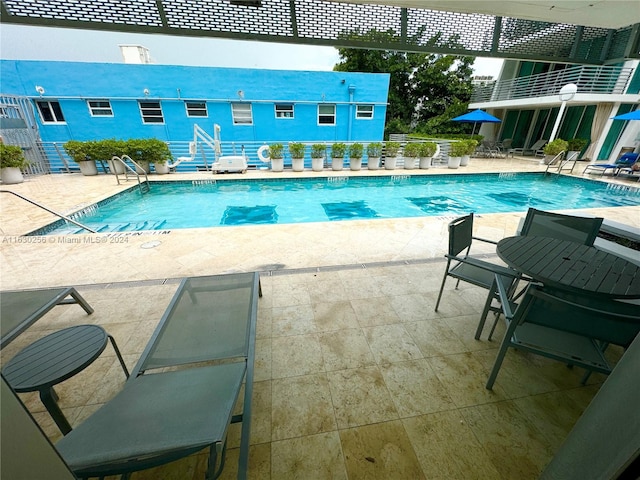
422	86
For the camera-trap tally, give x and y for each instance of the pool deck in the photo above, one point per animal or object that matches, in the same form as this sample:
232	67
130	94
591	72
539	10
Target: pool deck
356	376
30	262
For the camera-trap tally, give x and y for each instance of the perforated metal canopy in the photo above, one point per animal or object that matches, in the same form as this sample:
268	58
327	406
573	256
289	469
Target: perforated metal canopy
342	24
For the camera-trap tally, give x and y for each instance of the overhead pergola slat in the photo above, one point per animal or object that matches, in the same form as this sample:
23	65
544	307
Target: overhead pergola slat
319	22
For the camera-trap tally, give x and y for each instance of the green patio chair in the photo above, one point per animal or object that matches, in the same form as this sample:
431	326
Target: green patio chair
569	328
464	267
563	227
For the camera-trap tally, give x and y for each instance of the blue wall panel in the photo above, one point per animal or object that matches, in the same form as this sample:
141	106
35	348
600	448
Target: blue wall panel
73	83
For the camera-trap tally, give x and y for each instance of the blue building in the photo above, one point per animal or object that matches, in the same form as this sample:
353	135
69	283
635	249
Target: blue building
89	101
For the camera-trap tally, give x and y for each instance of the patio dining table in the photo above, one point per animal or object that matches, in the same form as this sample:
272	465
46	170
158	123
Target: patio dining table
571	266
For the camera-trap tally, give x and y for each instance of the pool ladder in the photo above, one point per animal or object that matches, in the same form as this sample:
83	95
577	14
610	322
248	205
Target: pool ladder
561	163
128	170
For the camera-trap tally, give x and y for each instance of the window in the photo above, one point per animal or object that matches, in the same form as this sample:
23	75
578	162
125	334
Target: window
50	112
284	110
364	111
151	112
326	114
241	113
100	108
196	109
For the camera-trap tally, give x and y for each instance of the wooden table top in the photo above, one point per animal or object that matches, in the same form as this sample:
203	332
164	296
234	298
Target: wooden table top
572	266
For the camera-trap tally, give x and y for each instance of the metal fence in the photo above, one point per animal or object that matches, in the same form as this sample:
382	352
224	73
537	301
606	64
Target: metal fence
58	161
603	80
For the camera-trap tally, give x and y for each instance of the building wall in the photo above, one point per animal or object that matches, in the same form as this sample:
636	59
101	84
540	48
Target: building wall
71	84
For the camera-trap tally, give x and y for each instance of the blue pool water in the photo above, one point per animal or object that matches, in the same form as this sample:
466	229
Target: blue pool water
217	203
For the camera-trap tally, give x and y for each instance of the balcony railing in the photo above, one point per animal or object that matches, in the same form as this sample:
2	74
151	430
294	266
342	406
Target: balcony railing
602	80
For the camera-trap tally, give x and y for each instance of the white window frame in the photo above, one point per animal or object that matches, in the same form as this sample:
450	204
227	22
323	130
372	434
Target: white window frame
95	109
145	112
364	112
283	109
327	115
242	113
193	107
49	104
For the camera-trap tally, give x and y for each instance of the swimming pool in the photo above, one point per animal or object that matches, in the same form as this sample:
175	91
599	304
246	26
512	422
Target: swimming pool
219	203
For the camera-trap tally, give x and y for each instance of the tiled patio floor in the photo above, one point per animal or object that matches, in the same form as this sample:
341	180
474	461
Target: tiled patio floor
357	377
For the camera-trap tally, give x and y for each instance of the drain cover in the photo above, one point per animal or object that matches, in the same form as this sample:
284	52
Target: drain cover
153	244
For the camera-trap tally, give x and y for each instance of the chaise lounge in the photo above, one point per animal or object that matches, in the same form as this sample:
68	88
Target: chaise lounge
182	393
625	161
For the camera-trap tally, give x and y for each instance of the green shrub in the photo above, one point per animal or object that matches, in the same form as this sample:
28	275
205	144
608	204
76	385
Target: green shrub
78	151
412	150
338	150
356	150
374	150
318	150
555	147
391	149
471	146
458	149
296	150
11	156
276	151
428	149
577	144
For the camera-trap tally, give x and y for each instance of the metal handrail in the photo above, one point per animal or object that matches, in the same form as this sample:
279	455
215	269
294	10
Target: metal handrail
64	217
128	169
589	79
562	162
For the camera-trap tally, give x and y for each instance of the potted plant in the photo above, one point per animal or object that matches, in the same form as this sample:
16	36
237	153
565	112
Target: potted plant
107	149
374	151
356	151
337	156
11	162
575	147
390	153
470	148
80	152
427	151
276	154
552	149
296	150
456	151
318	151
411	153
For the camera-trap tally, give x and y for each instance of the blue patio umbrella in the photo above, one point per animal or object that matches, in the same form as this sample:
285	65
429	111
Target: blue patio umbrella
477	116
635	115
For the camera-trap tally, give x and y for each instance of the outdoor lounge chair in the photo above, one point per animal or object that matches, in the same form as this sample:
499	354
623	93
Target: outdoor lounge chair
467	268
535	149
569	328
203	350
625	161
